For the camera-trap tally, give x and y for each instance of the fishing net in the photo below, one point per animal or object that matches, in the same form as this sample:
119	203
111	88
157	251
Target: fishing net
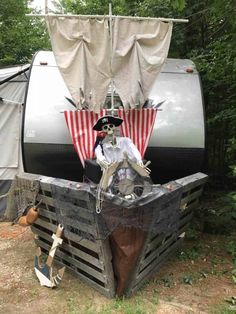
21	195
126	203
127	199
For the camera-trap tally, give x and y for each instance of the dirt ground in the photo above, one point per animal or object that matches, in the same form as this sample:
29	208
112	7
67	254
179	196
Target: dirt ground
198	279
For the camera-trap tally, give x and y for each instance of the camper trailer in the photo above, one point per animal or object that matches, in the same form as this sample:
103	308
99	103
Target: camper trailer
37	95
177	144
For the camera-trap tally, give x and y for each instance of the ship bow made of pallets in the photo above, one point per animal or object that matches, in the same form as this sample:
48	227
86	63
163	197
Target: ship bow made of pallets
85	250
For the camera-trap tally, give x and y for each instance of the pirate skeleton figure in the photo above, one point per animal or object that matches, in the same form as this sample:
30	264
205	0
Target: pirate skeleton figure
112	152
114	149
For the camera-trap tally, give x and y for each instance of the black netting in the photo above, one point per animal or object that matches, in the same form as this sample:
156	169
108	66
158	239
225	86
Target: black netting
155	211
126	203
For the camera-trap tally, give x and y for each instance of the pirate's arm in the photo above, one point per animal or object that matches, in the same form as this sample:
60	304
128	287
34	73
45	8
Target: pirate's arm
133	152
136	154
101	160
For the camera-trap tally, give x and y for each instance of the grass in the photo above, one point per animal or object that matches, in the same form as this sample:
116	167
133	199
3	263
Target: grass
135	305
223	308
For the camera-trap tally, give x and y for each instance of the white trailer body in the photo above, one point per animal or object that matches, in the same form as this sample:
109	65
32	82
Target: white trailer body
177	144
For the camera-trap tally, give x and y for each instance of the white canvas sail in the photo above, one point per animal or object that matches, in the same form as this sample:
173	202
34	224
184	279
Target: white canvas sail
88	62
82	48
140	49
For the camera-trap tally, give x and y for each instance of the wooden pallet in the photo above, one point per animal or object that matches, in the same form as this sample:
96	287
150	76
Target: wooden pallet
158	247
85	250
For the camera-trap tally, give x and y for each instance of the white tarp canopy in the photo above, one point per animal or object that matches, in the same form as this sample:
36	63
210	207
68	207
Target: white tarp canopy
89	61
14	89
12	93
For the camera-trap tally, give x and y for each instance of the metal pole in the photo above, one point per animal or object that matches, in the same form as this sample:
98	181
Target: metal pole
111	47
46	7
138	18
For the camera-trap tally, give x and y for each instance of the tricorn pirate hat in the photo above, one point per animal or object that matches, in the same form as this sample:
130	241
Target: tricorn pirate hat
107	120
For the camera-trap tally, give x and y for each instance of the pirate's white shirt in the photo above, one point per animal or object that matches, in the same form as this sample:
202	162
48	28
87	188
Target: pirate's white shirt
115	153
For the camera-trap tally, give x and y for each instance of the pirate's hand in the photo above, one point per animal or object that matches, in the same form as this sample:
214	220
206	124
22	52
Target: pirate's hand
140	163
104	164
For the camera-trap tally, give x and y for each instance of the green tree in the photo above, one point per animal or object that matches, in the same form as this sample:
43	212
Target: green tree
20	36
210	42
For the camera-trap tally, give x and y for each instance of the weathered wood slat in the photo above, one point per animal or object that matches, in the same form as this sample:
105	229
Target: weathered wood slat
81	212
81	254
28	176
104	290
73	193
81	226
193	205
185	219
192	181
89	270
106	256
90	230
191	197
149	271
46	200
48	214
157	252
71	236
154	264
152	244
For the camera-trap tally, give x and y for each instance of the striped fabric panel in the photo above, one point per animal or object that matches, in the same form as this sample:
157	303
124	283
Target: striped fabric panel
80	124
138	125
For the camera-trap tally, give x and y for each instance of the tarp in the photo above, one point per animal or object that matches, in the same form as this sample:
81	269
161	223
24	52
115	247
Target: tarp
14	89
12	93
89	62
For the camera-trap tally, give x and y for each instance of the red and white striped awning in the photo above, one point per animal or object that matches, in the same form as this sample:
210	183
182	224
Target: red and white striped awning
138	125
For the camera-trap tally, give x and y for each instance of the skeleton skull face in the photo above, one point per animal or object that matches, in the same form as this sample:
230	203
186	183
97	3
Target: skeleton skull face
108	128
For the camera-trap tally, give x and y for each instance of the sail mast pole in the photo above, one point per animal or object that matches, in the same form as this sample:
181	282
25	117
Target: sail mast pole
138	18
111	47
46	7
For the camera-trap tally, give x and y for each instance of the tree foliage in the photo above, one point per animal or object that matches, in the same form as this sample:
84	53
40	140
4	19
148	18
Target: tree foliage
20	36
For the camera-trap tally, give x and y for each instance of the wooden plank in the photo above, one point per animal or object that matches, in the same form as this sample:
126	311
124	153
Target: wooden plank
81	254
104	290
91	245
193	205
69	188
46	199
190	197
152	244
149	272
80	211
88	229
192	181
45	183
105	255
81	226
172	195
189	207
46	213
186	219
155	263
89	270
28	176
157	252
